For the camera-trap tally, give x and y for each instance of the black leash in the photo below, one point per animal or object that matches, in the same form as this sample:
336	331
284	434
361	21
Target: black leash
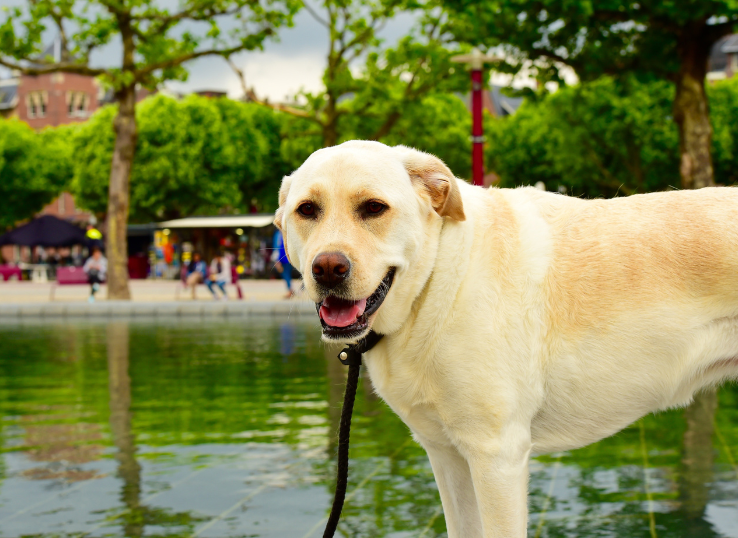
351	357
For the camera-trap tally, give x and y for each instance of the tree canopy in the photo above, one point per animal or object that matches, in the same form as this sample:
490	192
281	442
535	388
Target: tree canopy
193	156
724	111
34	169
666	40
605	138
366	81
156	41
593	38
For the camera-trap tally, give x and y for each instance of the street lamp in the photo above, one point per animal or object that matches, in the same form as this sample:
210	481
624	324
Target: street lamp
476	61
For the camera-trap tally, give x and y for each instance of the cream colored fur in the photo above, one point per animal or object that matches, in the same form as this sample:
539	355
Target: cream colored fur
520	322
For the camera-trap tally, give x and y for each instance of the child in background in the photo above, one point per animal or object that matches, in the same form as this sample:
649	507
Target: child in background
95	268
220	275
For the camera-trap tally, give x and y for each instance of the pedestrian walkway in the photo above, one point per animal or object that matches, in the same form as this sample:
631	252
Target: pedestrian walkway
142	291
150	298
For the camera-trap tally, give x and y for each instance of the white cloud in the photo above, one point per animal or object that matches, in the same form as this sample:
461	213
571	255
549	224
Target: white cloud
271	74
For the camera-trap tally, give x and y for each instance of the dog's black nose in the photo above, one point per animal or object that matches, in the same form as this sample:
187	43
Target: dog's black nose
330	269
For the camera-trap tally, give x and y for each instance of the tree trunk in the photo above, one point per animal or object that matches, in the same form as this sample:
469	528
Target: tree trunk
691	111
119	194
388	125
330	127
330	133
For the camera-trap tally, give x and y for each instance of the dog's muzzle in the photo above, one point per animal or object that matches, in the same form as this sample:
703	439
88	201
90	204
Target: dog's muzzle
343	318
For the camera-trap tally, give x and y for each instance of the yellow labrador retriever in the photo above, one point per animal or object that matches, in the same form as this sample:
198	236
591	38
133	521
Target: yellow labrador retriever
516	322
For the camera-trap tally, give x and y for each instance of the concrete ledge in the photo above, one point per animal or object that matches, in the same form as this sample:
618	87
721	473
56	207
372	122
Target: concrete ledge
9	311
130	309
31	310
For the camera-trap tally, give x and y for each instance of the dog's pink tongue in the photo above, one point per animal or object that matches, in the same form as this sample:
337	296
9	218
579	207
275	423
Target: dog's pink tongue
341	313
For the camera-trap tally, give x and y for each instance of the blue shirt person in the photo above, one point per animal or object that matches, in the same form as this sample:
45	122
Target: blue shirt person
282	264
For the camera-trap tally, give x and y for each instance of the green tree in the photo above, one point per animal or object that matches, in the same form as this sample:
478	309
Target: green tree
155	43
193	156
387	83
34	169
255	133
600	138
723	97
669	40
439	124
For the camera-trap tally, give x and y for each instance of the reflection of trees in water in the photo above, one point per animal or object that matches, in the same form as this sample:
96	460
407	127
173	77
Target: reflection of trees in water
696	469
119	383
372	404
336	374
597	511
57	435
62	447
3	470
401	495
135	515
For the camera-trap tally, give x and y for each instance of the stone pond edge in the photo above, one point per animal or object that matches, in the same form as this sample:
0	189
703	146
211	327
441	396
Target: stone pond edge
109	309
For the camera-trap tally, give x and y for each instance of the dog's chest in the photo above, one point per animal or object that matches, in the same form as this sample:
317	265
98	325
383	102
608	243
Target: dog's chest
412	395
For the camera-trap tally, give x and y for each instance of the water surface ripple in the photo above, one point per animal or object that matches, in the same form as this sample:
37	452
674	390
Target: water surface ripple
218	428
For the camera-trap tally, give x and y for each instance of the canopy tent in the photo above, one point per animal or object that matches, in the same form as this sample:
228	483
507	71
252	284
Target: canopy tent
229	221
45	231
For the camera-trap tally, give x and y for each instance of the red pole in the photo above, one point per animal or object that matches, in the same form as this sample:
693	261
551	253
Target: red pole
477	131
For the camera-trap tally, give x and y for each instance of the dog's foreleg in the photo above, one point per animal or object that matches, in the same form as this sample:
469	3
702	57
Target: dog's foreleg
499	471
457	491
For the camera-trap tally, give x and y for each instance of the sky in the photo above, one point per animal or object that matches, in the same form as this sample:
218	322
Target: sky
292	62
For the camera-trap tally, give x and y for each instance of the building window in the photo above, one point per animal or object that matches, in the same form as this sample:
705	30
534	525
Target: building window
37	103
78	104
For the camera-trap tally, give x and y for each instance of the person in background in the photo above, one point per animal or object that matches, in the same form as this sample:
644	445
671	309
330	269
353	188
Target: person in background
96	267
281	263
220	274
197	272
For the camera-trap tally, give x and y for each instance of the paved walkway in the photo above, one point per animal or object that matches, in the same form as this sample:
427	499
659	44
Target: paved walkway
150	298
142	291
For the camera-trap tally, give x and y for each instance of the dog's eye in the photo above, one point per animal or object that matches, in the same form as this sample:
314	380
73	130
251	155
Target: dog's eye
374	208
306	210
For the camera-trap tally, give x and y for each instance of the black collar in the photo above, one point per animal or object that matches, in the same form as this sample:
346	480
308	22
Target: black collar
351	355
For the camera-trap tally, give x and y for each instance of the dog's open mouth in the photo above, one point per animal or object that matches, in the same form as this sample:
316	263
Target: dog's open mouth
346	318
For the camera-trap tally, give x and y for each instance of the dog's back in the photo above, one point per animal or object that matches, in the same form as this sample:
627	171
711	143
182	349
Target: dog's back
641	302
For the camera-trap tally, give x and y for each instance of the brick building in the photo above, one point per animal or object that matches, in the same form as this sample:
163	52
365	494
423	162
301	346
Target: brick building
51	100
47	101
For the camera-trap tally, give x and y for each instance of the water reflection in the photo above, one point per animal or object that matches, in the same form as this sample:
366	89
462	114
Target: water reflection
135	515
227	429
697	463
336	375
287	335
119	386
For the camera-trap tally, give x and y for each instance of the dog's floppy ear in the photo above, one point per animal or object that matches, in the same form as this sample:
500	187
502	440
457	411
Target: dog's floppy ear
435	177
279	215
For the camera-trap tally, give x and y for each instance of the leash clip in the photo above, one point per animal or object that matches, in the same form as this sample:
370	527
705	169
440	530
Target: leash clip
350	356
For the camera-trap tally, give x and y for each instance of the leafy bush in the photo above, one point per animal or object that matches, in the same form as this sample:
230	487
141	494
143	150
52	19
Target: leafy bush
193	156
34	169
600	138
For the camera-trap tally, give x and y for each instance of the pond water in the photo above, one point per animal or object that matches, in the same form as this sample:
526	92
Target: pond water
226	429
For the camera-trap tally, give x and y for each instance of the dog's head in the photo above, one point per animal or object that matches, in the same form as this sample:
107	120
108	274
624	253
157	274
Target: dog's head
361	222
